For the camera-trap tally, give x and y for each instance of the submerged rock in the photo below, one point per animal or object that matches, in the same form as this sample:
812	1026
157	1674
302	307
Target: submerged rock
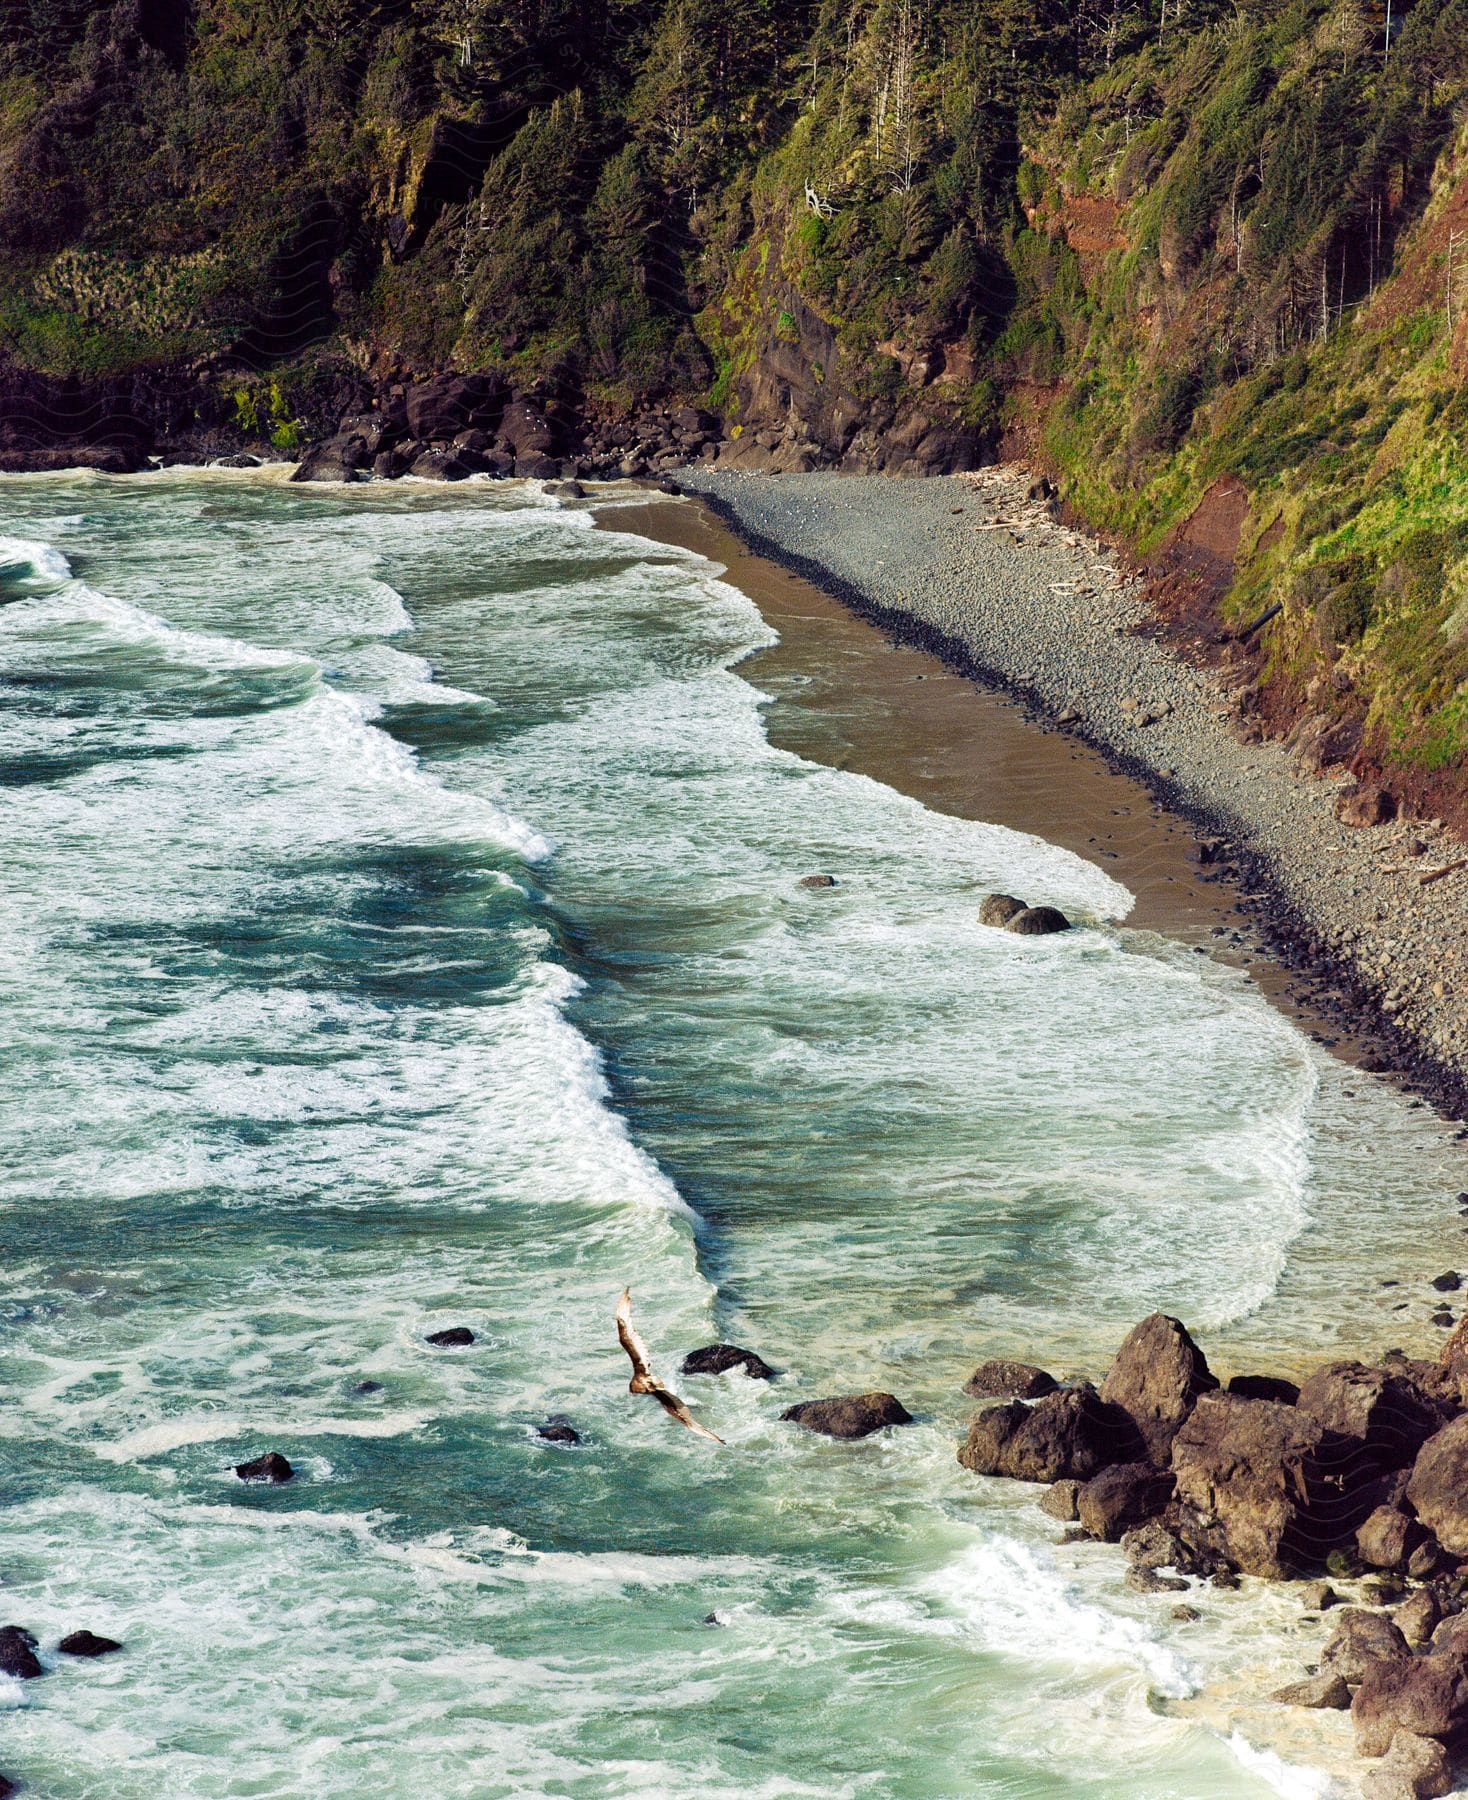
1156	1379
999	909
18	1653
715	1359
1325	1691
849	1415
270	1467
558	1430
1002	1378
1038	921
87	1643
452	1336
1074	1434
818	881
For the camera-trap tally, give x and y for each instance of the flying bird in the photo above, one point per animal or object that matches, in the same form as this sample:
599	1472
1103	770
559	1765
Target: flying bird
644	1381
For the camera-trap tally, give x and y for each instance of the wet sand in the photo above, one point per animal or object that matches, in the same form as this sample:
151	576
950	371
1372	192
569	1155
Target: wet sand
846	694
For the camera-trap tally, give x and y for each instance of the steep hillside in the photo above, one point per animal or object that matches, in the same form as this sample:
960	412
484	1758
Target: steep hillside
1208	262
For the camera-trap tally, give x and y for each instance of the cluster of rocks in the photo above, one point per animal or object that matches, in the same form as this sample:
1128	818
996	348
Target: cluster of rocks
1018	916
18	1659
1361	1468
454	426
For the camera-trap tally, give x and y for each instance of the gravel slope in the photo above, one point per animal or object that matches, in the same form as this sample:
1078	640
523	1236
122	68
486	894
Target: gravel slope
967	565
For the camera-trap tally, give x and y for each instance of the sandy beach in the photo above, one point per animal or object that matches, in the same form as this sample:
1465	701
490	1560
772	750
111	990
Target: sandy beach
1040	624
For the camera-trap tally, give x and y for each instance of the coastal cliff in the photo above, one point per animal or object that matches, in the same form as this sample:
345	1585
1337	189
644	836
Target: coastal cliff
1197	263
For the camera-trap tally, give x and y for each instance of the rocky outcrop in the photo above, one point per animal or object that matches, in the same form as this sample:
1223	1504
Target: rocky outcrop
1001	1377
1122	1496
717	1359
1071	1434
1284	1489
849	1415
1156	1379
451	1337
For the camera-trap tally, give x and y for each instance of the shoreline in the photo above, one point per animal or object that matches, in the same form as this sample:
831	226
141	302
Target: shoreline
1343	928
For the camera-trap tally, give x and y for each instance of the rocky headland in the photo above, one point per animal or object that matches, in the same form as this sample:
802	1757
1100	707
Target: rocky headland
1357	1476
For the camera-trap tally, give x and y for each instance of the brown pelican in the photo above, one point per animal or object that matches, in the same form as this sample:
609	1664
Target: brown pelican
644	1381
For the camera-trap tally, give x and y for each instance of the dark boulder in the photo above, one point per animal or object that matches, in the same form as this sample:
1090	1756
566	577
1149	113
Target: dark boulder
451	1336
442	465
1387	1537
999	909
565	490
1264	1387
1391	1415
1427	1695
715	1359
534	465
241	460
270	1467
1124	1495
818	881
1000	1377
525	430
1366	805
1284	1489
849	1415
87	1643
1071	1434
1038	921
1360	1639
18	1653
335	459
1438	1486
438	410
1156	1379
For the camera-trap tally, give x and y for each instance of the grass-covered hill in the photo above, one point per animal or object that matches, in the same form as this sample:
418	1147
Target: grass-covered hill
1206	259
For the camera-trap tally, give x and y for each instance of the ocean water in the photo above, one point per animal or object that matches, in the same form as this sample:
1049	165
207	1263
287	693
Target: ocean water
403	929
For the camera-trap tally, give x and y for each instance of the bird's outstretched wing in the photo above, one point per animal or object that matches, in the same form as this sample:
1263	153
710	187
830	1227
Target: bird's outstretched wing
631	1342
678	1409
644	1381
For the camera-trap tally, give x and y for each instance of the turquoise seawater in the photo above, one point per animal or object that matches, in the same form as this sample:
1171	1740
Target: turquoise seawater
403	929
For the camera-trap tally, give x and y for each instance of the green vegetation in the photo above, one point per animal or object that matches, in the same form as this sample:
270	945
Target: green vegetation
1171	244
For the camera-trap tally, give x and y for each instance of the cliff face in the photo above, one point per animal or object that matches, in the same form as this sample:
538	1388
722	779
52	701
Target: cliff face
1207	262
